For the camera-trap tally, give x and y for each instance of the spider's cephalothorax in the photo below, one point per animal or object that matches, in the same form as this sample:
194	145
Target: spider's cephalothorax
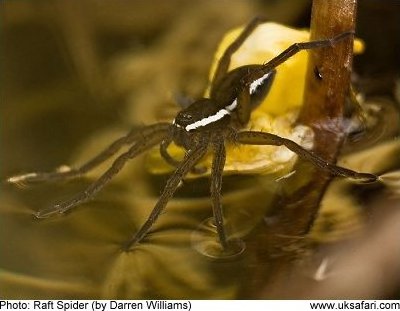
208	124
219	114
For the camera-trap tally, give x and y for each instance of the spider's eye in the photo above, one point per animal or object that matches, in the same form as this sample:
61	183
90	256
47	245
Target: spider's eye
186	117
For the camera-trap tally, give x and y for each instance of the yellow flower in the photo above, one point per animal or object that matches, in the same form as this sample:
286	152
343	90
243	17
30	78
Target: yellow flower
276	114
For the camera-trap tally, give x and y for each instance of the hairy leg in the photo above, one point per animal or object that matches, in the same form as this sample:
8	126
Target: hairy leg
224	62
216	186
173	162
263	71
139	147
191	158
289	52
262	138
112	149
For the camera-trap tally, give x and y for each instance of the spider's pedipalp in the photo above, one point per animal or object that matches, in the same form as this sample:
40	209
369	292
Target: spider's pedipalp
190	160
151	136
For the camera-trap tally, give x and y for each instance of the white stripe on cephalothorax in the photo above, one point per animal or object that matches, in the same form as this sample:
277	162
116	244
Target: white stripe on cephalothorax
256	83
215	117
210	119
203	122
232	106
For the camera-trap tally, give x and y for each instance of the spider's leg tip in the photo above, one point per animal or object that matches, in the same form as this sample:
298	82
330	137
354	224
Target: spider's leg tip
125	249
18	179
371	178
48	212
43	214
128	247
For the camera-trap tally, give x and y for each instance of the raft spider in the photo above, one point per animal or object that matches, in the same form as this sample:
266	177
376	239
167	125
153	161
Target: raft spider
206	124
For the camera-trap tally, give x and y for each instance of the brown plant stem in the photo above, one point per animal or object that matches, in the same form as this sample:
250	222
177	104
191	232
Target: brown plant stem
278	245
327	85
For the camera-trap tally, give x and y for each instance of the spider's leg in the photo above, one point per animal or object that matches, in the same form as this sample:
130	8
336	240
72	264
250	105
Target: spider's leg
173	162
140	146
289	52
216	185
266	70
68	173
166	156
224	61
191	158
262	138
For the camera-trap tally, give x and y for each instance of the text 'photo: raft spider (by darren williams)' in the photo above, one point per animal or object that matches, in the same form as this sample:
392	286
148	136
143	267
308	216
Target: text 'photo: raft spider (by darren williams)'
208	124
